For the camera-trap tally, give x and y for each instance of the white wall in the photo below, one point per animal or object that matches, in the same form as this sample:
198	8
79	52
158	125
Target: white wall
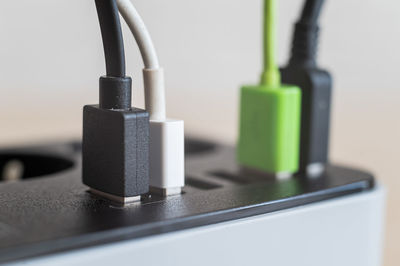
51	58
51	55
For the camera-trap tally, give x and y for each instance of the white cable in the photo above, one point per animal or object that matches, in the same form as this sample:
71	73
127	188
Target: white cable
167	152
153	75
154	90
140	32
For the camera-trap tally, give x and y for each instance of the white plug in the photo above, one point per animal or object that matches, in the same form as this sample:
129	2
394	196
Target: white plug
167	151
167	171
167	154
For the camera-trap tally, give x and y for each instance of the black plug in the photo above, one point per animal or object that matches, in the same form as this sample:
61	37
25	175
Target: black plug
115	150
316	86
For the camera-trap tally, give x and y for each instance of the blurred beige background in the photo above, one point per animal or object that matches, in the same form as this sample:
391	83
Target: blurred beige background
51	58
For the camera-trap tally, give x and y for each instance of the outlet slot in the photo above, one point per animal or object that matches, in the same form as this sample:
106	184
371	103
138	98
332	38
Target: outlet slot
195	147
200	184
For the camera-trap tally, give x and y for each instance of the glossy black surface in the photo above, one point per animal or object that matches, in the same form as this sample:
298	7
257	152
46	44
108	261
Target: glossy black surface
56	213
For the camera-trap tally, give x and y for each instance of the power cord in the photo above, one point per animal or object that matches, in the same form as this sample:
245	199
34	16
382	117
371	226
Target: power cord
316	87
271	75
305	40
115	147
112	38
167	175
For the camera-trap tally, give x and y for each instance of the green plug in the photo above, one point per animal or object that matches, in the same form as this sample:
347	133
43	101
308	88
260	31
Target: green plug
269	136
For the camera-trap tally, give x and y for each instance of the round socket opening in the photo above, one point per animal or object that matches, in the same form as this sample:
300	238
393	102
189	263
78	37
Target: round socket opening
19	166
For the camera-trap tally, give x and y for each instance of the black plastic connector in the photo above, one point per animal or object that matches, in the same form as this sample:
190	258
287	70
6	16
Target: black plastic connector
115	93
316	86
115	152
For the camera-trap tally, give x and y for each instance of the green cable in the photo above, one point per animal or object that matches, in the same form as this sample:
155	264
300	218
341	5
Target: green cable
271	75
269	131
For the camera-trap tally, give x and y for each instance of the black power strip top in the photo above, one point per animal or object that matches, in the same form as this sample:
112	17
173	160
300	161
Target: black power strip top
50	210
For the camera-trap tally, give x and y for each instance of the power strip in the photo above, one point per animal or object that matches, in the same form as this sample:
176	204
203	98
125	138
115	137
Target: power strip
55	213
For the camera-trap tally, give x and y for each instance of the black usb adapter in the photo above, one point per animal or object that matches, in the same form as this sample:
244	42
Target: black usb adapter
115	152
316	87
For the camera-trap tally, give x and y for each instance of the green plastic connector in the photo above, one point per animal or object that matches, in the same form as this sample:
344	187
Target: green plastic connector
269	128
269	137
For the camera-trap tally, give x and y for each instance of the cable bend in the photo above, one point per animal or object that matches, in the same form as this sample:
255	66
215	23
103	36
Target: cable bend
110	26
153	74
140	33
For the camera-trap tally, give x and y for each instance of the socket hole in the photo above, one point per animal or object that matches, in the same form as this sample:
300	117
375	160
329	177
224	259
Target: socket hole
200	184
194	147
16	167
234	178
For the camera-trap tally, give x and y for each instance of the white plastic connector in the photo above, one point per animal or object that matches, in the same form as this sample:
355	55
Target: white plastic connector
167	151
167	173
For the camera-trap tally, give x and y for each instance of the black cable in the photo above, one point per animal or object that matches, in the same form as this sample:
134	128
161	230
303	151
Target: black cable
116	138
305	41
110	26
311	11
115	88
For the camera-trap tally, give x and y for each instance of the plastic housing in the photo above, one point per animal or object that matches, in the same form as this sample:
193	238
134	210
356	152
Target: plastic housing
167	153
115	151
269	128
216	193
316	88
